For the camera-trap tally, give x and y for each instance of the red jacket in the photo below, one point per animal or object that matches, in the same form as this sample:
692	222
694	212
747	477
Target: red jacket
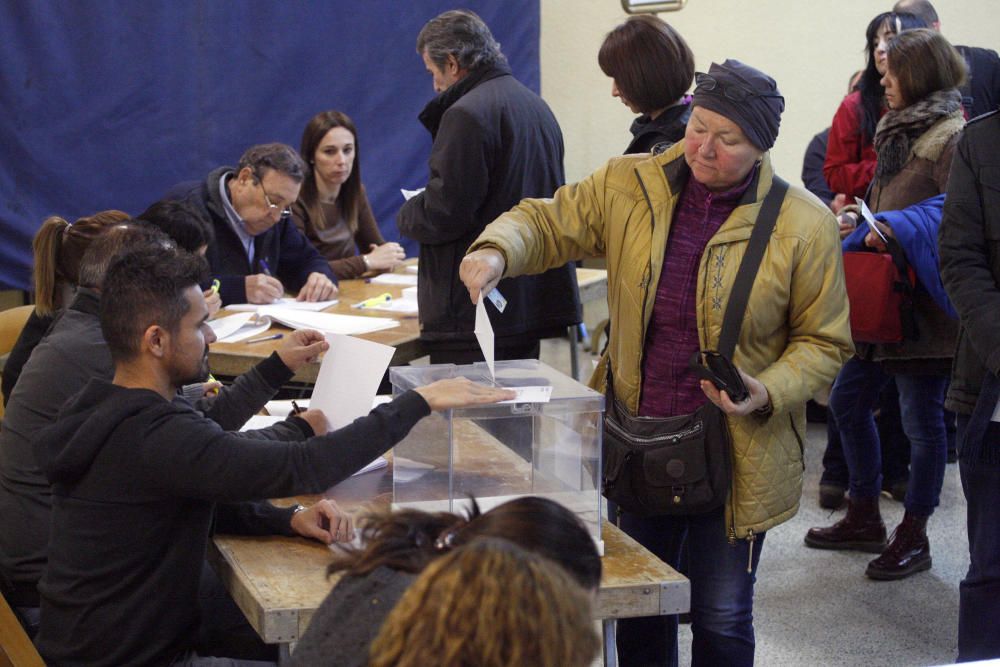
850	159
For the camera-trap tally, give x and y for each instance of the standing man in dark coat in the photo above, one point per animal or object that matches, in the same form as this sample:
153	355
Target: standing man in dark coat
970	270
258	253
495	143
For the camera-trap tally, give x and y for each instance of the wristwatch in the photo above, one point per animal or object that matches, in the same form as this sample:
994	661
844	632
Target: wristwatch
368	266
298	508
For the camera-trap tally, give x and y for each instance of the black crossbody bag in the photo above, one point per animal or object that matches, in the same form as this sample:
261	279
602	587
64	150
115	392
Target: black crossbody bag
682	465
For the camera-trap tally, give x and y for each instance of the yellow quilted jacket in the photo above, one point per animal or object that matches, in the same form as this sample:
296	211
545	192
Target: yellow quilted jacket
795	334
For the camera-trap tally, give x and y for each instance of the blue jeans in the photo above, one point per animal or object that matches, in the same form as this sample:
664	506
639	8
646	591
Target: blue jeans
921	405
979	592
721	592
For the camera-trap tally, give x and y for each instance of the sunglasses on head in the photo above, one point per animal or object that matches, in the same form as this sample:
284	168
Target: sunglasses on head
734	91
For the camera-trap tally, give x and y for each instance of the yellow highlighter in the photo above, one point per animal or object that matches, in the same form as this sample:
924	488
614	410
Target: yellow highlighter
215	286
374	302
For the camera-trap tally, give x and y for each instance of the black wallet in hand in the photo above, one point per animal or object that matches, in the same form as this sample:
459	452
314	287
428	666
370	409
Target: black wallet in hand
721	372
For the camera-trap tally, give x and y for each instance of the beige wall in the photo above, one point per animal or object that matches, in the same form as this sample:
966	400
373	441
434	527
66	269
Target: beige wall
809	46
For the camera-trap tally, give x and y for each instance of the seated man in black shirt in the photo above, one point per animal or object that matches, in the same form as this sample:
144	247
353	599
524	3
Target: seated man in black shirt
135	477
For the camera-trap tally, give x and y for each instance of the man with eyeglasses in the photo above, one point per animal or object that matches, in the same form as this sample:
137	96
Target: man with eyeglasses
258	253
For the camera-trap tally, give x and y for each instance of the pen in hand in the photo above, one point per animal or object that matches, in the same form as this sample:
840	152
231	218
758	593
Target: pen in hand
264	338
265	269
296	409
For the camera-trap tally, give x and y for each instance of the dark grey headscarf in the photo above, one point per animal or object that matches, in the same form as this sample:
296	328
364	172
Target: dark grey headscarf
744	95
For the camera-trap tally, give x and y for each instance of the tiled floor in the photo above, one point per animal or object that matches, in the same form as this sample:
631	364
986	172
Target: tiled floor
817	608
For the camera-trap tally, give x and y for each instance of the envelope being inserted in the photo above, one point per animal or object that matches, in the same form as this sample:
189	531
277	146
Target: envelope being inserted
484	333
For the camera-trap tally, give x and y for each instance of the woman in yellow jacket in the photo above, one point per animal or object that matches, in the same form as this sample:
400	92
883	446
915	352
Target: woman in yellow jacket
674	228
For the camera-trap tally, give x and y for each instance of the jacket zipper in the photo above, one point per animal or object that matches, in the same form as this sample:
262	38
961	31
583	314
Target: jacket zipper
673	437
648	277
751	538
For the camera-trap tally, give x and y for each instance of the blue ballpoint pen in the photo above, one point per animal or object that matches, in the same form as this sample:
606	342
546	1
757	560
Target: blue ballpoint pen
264	267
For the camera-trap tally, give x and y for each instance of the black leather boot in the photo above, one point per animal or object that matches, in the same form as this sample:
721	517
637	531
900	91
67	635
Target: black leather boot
908	551
861	530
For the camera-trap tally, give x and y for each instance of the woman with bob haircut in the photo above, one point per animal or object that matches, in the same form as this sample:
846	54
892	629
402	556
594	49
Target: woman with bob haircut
915	142
57	247
397	546
489	604
333	209
651	67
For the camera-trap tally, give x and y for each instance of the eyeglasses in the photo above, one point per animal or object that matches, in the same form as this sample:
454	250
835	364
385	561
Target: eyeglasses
271	207
734	91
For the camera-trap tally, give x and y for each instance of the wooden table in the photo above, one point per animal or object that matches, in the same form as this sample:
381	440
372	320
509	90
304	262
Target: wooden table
236	358
279	582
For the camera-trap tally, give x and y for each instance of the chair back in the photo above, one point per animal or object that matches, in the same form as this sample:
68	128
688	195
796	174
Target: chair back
16	650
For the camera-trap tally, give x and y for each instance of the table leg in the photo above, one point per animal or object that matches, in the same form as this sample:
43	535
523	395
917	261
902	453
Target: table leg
610	647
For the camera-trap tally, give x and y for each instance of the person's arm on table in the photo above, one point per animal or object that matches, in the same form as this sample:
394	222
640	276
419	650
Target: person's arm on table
188	456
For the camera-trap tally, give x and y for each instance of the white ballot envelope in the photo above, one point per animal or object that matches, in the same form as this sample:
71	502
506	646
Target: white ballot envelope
484	334
866	213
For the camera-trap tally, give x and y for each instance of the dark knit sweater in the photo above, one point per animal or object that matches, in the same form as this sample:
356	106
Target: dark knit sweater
669	387
135	480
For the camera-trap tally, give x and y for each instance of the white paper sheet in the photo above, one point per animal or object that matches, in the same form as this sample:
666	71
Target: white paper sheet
410	268
261	421
530	394
329	323
349	377
394	279
238	327
410	194
484	334
284	302
406	305
870	219
284	408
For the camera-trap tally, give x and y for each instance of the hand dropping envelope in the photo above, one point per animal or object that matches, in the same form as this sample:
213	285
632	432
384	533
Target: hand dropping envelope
484	333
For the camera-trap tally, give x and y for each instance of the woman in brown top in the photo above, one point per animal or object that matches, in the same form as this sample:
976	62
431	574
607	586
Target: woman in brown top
333	210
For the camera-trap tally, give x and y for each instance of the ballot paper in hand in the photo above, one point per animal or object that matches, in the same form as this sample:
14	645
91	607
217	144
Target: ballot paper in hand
866	213
349	378
484	334
410	194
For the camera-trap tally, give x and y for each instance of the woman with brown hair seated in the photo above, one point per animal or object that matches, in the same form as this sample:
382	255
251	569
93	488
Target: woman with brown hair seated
333	210
397	546
489	604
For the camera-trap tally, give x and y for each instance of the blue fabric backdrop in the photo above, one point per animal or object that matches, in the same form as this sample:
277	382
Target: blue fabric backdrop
106	104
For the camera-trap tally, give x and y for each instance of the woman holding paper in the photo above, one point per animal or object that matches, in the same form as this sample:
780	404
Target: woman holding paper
333	210
674	228
915	141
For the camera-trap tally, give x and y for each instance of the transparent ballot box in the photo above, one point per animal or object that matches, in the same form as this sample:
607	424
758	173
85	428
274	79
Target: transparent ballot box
506	450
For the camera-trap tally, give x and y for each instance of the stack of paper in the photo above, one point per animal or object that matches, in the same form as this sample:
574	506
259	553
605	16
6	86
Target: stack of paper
406	304
284	302
234	328
328	323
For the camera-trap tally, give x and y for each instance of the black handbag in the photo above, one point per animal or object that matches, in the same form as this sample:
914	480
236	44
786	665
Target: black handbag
682	465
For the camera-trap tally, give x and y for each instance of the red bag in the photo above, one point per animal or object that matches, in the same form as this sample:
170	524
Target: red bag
881	300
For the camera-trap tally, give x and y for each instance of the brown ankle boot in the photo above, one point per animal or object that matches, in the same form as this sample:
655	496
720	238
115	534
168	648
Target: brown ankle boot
908	551
861	530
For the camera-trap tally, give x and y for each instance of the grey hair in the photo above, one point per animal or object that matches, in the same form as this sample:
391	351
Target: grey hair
460	33
280	157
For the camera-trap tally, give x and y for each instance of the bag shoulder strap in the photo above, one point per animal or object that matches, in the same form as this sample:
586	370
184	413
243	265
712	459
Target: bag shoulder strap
759	238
